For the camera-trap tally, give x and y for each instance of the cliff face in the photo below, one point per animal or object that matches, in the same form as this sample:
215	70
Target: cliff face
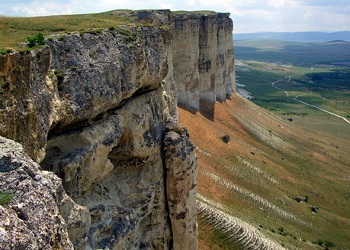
203	58
99	110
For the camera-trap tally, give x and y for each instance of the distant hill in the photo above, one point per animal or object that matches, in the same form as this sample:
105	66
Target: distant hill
295	36
337	41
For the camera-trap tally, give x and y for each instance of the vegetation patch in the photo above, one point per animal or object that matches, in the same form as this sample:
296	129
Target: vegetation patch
15	30
59	75
5	51
33	41
5	198
325	243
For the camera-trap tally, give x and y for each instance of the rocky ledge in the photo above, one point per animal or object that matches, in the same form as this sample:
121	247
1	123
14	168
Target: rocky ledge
96	113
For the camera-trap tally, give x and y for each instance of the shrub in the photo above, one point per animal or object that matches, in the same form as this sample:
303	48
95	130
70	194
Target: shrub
129	36
5	198
59	75
320	242
62	38
39	39
328	244
31	42
177	130
5	51
282	231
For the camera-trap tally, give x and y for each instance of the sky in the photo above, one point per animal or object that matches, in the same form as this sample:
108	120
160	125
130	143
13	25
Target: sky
248	15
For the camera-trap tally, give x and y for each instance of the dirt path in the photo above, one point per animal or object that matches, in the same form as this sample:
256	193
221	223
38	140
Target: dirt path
305	103
314	106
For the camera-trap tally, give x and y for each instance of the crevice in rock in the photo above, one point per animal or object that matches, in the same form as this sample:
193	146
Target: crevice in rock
167	209
59	128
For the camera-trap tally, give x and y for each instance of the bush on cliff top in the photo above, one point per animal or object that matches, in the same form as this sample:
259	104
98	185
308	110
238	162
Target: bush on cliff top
33	41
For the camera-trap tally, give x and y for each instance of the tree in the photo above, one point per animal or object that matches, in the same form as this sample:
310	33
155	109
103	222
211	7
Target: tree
316	78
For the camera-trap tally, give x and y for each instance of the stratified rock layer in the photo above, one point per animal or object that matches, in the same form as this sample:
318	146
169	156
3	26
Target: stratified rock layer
75	79
203	58
99	109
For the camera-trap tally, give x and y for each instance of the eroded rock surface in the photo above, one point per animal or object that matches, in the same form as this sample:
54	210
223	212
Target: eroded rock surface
181	163
31	219
98	111
203	58
115	168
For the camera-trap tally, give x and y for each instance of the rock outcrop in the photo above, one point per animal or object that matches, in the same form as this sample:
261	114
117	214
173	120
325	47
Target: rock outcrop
98	111
32	218
181	190
203	58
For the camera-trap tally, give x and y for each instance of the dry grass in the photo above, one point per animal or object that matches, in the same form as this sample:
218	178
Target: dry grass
268	161
242	233
16	29
246	194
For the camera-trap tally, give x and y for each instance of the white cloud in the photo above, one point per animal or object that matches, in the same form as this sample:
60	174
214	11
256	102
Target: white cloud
247	15
40	9
166	6
308	15
277	3
191	2
283	3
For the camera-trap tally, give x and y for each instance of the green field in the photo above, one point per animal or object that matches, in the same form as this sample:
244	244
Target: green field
296	53
315	73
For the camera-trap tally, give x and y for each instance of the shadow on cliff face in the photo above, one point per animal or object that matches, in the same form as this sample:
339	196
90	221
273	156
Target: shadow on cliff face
207	109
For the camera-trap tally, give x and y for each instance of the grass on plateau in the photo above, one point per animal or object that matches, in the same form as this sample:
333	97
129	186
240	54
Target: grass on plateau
15	30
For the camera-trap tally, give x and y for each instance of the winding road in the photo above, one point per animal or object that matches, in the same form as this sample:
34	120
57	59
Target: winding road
305	103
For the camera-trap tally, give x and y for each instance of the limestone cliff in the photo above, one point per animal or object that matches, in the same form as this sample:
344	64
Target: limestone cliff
203	58
99	110
33	219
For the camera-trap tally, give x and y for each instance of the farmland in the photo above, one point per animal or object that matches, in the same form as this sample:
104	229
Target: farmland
278	80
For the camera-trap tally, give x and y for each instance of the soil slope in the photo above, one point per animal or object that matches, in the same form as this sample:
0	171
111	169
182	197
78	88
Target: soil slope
247	188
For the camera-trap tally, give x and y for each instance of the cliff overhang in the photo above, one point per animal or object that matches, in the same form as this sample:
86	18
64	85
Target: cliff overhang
99	109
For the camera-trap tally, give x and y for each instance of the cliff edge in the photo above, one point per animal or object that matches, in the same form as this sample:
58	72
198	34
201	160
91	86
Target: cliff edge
99	109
